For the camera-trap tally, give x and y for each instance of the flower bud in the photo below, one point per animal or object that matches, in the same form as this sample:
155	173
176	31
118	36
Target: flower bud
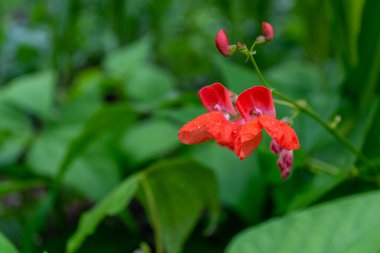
285	162
268	31
274	147
221	42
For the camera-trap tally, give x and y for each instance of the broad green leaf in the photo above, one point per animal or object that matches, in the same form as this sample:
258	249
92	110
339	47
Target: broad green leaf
15	132
33	93
106	119
112	204
149	87
345	225
123	62
149	139
6	246
89	167
241	187
174	194
65	148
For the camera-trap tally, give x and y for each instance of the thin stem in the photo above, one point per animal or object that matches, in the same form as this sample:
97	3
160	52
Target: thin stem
307	110
284	103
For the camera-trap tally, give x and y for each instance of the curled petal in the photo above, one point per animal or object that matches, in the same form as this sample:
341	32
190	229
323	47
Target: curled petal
285	162
248	139
281	132
221	43
254	102
197	130
216	97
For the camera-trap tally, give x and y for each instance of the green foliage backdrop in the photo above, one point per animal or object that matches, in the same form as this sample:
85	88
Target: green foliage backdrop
93	93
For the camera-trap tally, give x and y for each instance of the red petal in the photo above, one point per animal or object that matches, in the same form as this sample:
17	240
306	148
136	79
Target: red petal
196	131
221	42
281	132
225	133
248	139
256	99
216	97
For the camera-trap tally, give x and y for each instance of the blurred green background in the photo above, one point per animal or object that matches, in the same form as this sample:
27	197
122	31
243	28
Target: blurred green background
93	93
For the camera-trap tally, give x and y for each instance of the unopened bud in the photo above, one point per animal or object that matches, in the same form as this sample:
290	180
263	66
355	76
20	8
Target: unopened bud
268	31
285	162
221	42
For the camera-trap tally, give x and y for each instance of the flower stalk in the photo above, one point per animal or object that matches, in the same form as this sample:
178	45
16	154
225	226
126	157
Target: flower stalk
308	111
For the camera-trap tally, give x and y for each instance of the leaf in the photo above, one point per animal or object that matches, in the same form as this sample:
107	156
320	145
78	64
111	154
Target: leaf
15	132
345	225
241	187
149	139
123	62
102	122
175	193
6	245
149	87
112	204
65	148
33	93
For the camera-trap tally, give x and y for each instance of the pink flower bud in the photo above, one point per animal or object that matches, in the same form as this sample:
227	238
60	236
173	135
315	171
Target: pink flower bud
274	147
268	31
285	162
221	42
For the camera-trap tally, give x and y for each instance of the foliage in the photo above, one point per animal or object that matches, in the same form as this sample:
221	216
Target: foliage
93	93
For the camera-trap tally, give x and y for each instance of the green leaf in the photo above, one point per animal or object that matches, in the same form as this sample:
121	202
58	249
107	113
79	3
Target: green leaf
123	62
175	193
15	132
33	93
150	87
93	166
150	139
102	122
346	225
112	204
240	181
6	245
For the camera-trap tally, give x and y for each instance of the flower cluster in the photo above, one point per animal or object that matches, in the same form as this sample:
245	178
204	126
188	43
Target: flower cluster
236	122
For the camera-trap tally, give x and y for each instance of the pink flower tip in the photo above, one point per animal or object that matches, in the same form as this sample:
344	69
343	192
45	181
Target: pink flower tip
268	31
221	42
284	162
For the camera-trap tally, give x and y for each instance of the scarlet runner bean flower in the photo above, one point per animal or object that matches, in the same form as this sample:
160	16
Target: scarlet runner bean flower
253	110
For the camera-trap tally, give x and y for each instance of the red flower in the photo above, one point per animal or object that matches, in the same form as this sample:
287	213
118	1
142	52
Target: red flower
243	134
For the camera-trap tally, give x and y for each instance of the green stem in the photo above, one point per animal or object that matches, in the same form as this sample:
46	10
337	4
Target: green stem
307	110
154	213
